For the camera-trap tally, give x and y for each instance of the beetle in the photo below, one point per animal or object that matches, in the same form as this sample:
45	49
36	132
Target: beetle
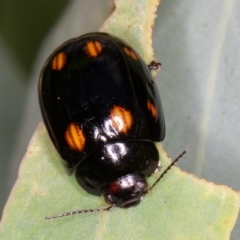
103	113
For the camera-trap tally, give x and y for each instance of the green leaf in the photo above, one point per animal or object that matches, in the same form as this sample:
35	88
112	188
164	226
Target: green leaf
133	21
179	207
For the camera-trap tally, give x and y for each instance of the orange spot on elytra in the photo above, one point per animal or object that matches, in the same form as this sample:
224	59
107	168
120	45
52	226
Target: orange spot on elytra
59	61
74	137
93	49
121	119
152	108
130	53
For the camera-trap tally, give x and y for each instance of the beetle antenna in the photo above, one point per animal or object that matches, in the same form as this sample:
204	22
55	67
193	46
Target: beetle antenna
81	211
165	171
113	205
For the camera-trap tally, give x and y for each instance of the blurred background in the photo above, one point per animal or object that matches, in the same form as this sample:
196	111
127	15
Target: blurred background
23	26
198	45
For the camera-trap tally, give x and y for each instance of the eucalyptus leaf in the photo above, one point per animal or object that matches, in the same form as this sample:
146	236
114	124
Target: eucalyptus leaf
180	206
